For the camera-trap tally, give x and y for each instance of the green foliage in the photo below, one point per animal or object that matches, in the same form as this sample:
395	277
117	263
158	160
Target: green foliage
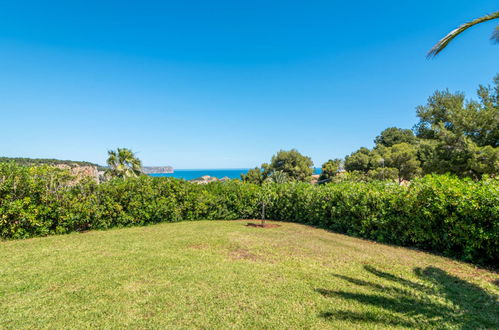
353	176
360	160
450	153
46	161
402	157
284	166
453	135
453	153
330	169
278	177
394	135
485	161
475	120
297	166
383	173
254	175
123	163
457	217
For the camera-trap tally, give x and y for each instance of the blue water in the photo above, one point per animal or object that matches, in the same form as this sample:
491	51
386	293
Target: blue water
231	173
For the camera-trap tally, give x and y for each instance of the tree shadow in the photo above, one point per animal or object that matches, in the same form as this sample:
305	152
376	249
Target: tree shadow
437	299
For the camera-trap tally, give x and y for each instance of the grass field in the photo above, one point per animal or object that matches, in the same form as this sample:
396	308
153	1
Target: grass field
220	274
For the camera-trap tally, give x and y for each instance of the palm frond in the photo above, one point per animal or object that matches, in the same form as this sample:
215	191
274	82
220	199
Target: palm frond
454	33
495	35
123	163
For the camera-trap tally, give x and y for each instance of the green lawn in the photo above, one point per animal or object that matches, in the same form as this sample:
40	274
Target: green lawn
220	274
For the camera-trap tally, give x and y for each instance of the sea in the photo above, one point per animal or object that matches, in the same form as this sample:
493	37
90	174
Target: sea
231	173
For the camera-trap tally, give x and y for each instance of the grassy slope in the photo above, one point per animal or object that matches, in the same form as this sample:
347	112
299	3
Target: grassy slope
221	274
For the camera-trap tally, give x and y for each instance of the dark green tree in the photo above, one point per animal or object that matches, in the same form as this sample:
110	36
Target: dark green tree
441	111
254	175
296	166
457	154
330	169
458	136
394	135
360	160
402	157
450	153
477	120
384	173
485	161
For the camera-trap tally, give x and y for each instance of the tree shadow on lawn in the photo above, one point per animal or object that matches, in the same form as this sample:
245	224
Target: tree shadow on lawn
442	298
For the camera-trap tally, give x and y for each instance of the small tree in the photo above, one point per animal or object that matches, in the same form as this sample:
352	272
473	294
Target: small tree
266	198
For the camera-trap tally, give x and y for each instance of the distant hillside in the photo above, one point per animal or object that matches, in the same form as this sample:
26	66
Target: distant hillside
157	169
72	163
41	161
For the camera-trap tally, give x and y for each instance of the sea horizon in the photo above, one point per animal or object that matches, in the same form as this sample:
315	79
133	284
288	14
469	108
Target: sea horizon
190	174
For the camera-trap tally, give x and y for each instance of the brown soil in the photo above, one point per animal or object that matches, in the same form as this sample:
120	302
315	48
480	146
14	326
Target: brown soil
259	225
242	254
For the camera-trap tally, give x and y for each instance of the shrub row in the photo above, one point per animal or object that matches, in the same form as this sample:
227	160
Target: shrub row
456	217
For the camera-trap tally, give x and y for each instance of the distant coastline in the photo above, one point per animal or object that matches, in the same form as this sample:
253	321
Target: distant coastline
191	174
157	169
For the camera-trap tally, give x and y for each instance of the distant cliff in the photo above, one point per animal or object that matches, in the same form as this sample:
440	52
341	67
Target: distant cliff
46	161
157	169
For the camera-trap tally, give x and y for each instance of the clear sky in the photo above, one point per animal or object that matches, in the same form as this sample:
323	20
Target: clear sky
225	84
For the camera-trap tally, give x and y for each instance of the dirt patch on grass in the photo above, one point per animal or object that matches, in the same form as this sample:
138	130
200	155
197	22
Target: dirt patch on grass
262	225
242	254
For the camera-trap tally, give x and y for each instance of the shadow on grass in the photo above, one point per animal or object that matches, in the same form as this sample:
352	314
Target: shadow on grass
437	300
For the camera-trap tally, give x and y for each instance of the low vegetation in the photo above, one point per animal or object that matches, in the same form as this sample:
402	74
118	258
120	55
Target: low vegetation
46	161
457	217
212	274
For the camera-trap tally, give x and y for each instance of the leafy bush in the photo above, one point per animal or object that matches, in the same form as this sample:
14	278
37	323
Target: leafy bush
457	217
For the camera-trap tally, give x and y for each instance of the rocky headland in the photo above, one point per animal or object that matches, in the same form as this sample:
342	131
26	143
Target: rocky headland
157	169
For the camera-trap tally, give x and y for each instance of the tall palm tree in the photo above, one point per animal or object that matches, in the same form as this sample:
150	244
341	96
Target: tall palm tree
454	33
123	163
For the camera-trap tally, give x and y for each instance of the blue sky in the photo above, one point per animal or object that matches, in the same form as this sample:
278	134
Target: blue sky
225	84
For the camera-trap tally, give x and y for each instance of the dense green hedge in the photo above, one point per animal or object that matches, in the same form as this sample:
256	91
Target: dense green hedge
457	217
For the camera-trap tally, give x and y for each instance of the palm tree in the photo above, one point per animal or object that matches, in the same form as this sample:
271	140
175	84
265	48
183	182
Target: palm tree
279	177
454	33
123	163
